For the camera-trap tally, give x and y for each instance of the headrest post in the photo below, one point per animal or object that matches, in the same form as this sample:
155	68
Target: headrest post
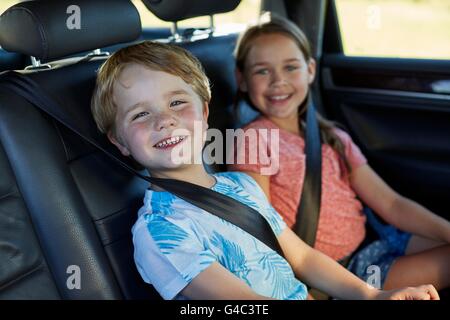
98	53
175	34
211	23
36	63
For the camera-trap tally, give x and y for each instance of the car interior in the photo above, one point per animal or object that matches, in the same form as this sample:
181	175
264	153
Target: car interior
63	202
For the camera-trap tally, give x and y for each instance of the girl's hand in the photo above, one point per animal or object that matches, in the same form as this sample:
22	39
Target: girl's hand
425	292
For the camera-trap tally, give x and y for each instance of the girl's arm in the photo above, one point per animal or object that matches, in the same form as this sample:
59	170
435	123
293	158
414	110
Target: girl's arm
217	283
325	274
396	210
263	181
320	271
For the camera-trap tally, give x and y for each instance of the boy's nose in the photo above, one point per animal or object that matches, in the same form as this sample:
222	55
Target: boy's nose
164	121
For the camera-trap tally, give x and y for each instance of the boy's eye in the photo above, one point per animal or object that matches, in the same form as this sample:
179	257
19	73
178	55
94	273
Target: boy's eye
176	103
291	67
140	114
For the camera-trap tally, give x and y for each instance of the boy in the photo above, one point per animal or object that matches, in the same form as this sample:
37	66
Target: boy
148	99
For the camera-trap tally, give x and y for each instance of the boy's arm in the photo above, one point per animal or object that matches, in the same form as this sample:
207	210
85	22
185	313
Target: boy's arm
217	283
396	210
325	274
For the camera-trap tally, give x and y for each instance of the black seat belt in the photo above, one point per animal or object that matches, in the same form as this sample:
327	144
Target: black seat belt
309	209
227	208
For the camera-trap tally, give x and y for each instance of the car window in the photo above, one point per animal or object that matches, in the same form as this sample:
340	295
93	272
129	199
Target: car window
235	21
5	4
395	28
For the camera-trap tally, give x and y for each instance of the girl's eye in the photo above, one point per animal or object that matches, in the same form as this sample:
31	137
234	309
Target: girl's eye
140	114
262	71
176	103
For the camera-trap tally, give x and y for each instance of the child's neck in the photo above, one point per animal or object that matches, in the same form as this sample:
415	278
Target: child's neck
195	174
289	124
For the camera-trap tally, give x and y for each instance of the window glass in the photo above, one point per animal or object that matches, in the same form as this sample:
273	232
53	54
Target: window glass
5	4
395	28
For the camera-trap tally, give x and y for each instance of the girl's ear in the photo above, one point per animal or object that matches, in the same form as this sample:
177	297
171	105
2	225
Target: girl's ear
311	70
240	80
124	150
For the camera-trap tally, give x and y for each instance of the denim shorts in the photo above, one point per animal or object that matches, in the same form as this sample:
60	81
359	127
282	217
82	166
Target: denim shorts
372	262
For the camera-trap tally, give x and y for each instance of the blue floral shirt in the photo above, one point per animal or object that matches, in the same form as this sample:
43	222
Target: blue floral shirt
174	241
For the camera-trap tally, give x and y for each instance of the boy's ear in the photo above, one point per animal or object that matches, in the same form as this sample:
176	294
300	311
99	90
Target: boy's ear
205	111
311	70
124	150
240	80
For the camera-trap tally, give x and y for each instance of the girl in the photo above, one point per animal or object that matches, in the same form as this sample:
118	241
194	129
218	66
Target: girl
274	70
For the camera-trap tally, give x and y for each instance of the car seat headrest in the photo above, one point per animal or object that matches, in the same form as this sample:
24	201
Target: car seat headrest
49	29
176	10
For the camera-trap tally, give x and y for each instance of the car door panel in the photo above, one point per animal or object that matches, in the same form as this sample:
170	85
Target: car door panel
398	112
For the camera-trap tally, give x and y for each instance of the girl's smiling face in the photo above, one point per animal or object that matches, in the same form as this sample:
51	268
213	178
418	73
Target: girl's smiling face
276	75
156	113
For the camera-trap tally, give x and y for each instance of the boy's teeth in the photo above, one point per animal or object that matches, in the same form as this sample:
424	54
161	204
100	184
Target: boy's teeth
169	141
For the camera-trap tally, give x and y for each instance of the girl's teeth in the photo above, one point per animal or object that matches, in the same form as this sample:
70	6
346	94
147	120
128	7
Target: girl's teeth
279	97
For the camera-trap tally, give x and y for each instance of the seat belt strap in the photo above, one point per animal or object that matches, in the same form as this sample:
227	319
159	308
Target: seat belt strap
309	208
225	207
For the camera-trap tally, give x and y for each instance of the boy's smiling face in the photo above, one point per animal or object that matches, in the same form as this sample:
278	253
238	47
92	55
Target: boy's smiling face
152	107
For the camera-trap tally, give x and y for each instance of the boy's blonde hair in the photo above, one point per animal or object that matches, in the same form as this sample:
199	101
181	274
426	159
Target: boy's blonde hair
155	56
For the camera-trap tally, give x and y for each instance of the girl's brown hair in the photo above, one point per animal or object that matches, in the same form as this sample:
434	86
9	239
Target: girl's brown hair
287	28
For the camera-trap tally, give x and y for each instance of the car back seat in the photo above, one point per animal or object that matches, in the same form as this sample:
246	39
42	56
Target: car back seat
62	203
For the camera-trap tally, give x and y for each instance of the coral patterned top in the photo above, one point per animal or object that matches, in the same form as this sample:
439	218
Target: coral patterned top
341	226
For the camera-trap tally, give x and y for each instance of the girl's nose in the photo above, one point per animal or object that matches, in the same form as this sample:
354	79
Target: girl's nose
164	121
277	79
